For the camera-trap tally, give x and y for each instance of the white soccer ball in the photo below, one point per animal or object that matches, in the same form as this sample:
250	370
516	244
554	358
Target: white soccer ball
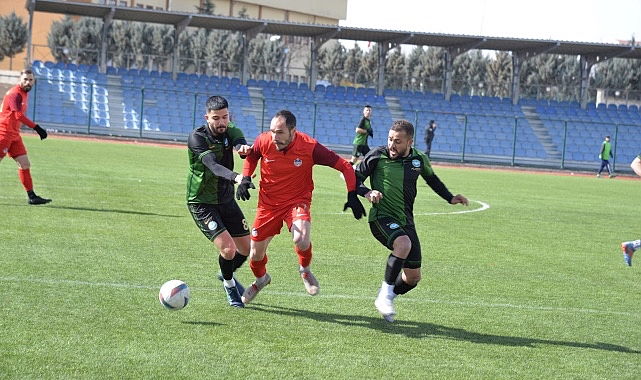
174	295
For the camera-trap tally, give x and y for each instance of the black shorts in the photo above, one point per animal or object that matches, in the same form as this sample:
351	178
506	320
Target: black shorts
360	150
212	220
386	230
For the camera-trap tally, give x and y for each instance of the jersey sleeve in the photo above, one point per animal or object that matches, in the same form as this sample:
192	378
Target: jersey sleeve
323	156
14	103
200	149
365	169
251	161
237	136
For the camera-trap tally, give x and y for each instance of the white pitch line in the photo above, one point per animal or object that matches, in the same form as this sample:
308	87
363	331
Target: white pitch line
484	206
337	296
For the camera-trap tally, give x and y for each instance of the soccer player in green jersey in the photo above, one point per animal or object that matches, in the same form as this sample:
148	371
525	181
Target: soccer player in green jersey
363	130
210	191
393	171
605	154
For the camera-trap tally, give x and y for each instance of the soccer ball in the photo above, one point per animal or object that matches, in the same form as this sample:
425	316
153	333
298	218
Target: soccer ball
174	295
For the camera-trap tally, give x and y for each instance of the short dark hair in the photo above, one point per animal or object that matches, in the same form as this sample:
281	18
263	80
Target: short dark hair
432	122
290	119
405	126
215	103
26	71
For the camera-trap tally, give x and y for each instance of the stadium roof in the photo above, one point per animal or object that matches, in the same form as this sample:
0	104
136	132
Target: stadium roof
464	42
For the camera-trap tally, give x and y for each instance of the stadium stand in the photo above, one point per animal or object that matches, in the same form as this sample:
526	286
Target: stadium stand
148	103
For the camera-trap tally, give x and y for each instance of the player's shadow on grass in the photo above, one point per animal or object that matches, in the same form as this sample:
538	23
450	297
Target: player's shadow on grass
111	211
421	330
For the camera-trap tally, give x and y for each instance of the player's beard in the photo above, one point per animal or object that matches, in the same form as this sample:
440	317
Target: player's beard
394	154
218	130
26	87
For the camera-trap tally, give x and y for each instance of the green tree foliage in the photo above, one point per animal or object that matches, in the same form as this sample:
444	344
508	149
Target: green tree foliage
161	45
369	66
395	69
499	75
88	40
221	52
13	36
353	59
550	76
469	71
274	58
255	57
413	67
207	8
3	37
121	43
331	57
432	70
60	39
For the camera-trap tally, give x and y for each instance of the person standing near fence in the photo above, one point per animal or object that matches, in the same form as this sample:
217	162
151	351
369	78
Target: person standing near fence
363	130
429	136
604	155
12	115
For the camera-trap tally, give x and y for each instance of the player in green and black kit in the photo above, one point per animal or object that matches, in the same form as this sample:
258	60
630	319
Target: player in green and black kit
363	130
393	171
210	191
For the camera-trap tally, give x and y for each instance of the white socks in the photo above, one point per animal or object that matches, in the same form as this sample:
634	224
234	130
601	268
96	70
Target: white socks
388	290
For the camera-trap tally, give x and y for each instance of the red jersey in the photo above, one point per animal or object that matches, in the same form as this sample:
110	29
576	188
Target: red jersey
12	114
286	176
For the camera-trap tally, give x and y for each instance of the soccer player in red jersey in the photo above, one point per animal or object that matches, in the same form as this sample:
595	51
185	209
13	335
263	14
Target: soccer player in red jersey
285	194
12	114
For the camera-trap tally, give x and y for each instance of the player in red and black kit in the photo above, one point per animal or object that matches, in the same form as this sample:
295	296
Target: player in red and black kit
285	195
12	114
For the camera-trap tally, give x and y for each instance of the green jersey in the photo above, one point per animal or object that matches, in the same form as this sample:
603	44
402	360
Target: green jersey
396	180
606	151
211	163
361	139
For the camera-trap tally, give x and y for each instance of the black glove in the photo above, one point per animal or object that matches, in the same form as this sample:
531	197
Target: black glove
357	207
370	133
243	188
41	132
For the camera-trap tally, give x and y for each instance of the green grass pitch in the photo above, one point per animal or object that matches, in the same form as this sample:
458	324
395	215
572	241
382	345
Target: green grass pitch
534	286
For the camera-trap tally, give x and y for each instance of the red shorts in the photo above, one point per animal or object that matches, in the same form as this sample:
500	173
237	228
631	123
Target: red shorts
268	221
12	145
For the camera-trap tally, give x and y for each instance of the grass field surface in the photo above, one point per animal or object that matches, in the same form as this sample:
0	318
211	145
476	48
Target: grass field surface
528	283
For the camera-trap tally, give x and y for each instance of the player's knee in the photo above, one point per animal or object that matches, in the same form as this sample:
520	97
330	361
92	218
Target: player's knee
402	246
302	242
412	276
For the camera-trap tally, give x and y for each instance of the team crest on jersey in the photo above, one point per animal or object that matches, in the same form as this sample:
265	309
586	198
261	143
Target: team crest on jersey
416	163
254	232
5	151
394	226
298	162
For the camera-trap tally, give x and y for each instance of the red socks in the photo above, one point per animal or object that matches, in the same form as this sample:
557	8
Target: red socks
258	267
25	178
304	257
